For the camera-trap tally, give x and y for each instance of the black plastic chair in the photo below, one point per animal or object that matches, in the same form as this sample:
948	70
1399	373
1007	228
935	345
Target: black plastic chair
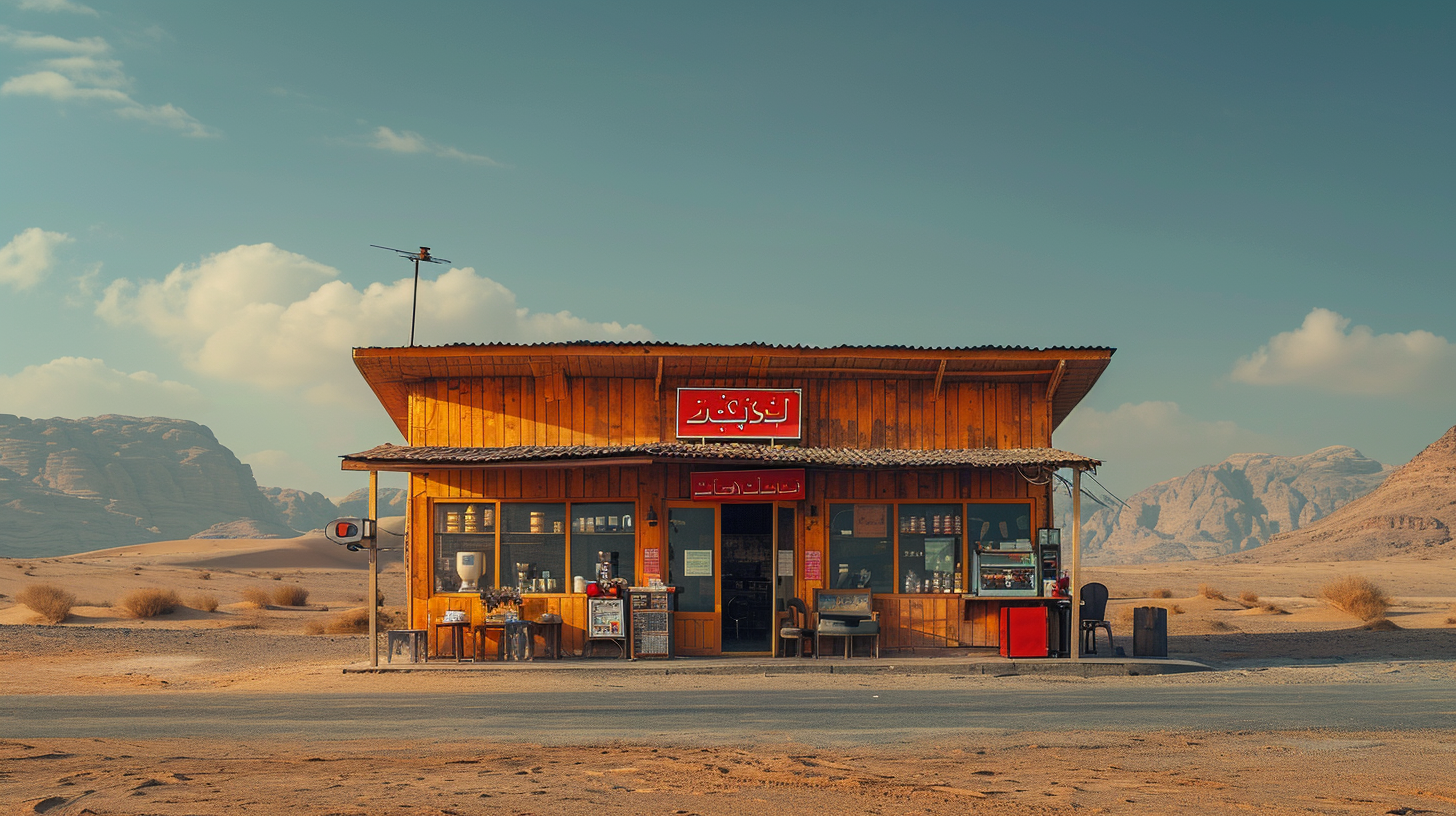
798	629
1094	617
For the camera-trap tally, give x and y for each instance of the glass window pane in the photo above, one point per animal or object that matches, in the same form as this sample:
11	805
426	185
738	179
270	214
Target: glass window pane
691	543
1000	534
860	553
603	528
464	527
533	547
930	548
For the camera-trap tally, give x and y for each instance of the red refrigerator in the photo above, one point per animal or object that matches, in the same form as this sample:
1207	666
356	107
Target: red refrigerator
1023	631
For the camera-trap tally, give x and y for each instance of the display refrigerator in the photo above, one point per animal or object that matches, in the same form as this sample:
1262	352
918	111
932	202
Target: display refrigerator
1006	569
1023	631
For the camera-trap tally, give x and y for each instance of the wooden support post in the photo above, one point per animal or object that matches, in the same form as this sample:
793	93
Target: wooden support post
1076	583
657	387
1056	379
939	375
374	570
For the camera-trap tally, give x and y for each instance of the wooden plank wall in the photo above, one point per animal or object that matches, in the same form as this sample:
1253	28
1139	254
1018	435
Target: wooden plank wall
838	413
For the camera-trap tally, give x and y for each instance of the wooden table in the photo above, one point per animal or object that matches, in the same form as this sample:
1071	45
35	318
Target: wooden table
457	639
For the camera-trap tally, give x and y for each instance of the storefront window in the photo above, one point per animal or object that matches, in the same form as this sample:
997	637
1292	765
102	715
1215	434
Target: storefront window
1000	535
467	527
603	531
860	553
533	547
930	548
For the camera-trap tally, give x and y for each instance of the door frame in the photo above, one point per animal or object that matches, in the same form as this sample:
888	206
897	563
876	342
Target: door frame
709	622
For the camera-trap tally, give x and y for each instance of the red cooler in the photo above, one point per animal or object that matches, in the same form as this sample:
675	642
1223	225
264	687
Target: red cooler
1023	631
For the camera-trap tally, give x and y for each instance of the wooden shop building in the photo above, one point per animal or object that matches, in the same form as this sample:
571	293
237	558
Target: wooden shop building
742	475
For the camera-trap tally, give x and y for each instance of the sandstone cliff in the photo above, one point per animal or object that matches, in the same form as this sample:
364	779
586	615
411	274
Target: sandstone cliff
1234	506
1410	515
302	511
75	485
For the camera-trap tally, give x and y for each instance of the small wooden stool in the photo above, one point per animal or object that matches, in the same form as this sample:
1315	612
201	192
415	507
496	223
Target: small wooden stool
415	643
457	639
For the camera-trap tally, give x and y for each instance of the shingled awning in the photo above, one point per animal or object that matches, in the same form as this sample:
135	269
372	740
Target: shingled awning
419	458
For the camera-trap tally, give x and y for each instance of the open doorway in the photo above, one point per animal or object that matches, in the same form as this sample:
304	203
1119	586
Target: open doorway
747	577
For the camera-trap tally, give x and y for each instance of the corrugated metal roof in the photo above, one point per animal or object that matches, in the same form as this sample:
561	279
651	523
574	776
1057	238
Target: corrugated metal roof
767	346
401	457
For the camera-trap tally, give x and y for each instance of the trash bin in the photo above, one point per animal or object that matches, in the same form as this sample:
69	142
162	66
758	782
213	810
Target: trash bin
519	641
1150	631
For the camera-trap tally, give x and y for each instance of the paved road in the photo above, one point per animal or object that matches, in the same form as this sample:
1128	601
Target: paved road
732	717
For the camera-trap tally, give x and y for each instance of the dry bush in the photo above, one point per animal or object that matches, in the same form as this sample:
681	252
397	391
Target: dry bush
1221	626
1211	593
1161	593
203	602
1249	599
204	576
350	622
150	602
49	601
95	603
1357	595
257	596
290	595
314	628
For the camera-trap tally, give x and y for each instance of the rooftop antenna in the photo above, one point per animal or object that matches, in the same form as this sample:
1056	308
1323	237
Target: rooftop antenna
422	255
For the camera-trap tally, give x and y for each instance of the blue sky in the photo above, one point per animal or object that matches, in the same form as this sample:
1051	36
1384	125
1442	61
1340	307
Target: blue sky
1251	201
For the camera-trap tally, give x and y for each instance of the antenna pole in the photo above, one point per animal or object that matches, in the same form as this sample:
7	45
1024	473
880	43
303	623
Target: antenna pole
414	301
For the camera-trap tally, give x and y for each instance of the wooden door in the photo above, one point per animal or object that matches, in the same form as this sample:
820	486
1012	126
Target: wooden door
693	567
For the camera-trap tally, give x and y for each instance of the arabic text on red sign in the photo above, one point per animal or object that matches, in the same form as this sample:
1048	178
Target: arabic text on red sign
749	485
739	413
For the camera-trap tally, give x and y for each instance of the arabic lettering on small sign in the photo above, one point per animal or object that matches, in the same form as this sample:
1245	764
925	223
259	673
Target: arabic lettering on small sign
738	413
749	485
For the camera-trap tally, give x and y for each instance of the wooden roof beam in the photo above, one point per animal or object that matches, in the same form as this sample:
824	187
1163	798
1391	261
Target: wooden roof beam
1056	380
939	375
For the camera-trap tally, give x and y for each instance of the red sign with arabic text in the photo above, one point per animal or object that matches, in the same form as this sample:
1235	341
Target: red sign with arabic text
749	485
739	413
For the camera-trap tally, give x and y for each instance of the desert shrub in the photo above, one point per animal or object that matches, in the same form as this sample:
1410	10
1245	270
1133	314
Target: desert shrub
204	576
1249	599
1357	595
257	596
1211	593
290	595
350	622
1221	626
1380	625
1161	593
150	602
94	602
49	601
203	602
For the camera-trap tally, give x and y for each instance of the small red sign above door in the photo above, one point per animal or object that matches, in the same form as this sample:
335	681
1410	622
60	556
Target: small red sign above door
749	485
739	413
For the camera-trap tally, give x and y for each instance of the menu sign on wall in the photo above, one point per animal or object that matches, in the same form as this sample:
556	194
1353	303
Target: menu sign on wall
739	413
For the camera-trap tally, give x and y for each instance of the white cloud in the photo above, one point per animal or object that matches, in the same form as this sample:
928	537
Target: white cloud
88	73
410	142
1148	442
29	257
56	5
274	319
80	386
1325	353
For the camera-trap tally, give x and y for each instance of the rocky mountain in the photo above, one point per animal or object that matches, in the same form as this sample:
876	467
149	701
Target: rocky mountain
72	485
302	511
392	502
1234	506
1410	515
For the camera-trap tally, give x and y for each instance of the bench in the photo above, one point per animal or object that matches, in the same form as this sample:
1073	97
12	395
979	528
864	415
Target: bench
845	613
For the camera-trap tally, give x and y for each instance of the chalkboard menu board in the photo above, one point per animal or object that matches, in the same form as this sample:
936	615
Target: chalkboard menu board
652	609
651	633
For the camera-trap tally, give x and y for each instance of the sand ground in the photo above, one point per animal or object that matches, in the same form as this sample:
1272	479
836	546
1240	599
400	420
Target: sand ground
238	648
